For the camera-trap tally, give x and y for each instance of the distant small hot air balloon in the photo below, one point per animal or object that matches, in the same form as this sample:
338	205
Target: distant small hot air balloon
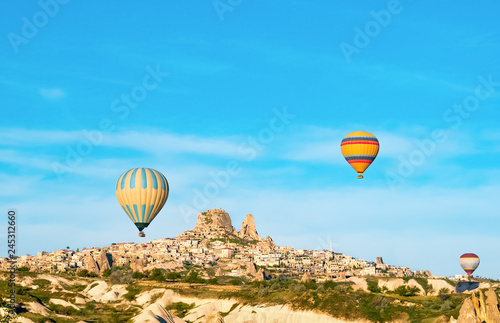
360	149
142	192
469	262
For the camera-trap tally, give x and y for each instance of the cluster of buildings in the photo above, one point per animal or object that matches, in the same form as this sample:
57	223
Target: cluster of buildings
218	252
215	244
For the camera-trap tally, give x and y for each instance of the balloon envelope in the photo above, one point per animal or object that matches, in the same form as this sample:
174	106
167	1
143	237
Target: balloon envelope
469	262
360	149
142	192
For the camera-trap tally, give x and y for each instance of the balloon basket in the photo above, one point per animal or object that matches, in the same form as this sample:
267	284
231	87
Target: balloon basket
141	234
360	176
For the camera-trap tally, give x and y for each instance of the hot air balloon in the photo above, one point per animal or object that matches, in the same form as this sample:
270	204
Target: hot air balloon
142	192
359	149
469	262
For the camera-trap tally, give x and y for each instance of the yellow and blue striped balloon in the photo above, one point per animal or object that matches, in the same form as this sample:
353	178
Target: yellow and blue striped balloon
142	192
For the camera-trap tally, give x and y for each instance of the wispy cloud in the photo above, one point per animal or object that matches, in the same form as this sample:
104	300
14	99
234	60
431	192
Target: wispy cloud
52	93
155	143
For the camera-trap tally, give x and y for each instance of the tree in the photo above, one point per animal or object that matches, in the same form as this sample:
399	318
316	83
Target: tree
157	274
137	275
193	277
106	272
373	286
173	275
330	284
405	290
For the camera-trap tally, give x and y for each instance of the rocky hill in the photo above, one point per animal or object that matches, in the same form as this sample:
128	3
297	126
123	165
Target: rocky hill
216	224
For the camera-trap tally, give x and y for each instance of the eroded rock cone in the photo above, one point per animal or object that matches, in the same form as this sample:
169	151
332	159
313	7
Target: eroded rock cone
492	312
305	278
104	261
248	230
476	309
467	312
92	264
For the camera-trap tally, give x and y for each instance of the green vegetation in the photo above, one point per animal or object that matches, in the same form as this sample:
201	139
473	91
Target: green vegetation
224	314
425	285
133	290
136	275
157	275
173	275
180	308
86	273
106	273
337	299
373	285
235	282
92	312
193	278
405	290
451	282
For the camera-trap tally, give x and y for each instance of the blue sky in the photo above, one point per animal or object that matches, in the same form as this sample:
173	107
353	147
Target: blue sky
263	92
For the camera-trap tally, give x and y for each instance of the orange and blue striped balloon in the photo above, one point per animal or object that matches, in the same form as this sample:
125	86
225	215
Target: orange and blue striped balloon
142	192
360	149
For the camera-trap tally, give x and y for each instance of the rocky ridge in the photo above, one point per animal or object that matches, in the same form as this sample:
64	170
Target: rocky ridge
480	308
216	223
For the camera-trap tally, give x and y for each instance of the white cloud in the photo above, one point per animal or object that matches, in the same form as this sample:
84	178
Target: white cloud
52	93
154	143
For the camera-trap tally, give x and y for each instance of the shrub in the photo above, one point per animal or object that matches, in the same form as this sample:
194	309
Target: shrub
330	284
137	275
310	285
373	286
106	272
275	286
42	283
447	305
23	268
193	277
234	282
263	292
181	308
173	275
126	279
157	274
132	292
86	273
405	290
297	288
90	305
444	290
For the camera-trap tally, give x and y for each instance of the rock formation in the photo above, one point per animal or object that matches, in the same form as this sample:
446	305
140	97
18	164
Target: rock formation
248	230
261	275
92	264
476	309
104	261
270	243
219	272
492	312
137	264
217	319
467	312
251	269
305	278
214	219
379	261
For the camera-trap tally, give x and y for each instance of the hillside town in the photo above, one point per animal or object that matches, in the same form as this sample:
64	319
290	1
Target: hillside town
214	243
